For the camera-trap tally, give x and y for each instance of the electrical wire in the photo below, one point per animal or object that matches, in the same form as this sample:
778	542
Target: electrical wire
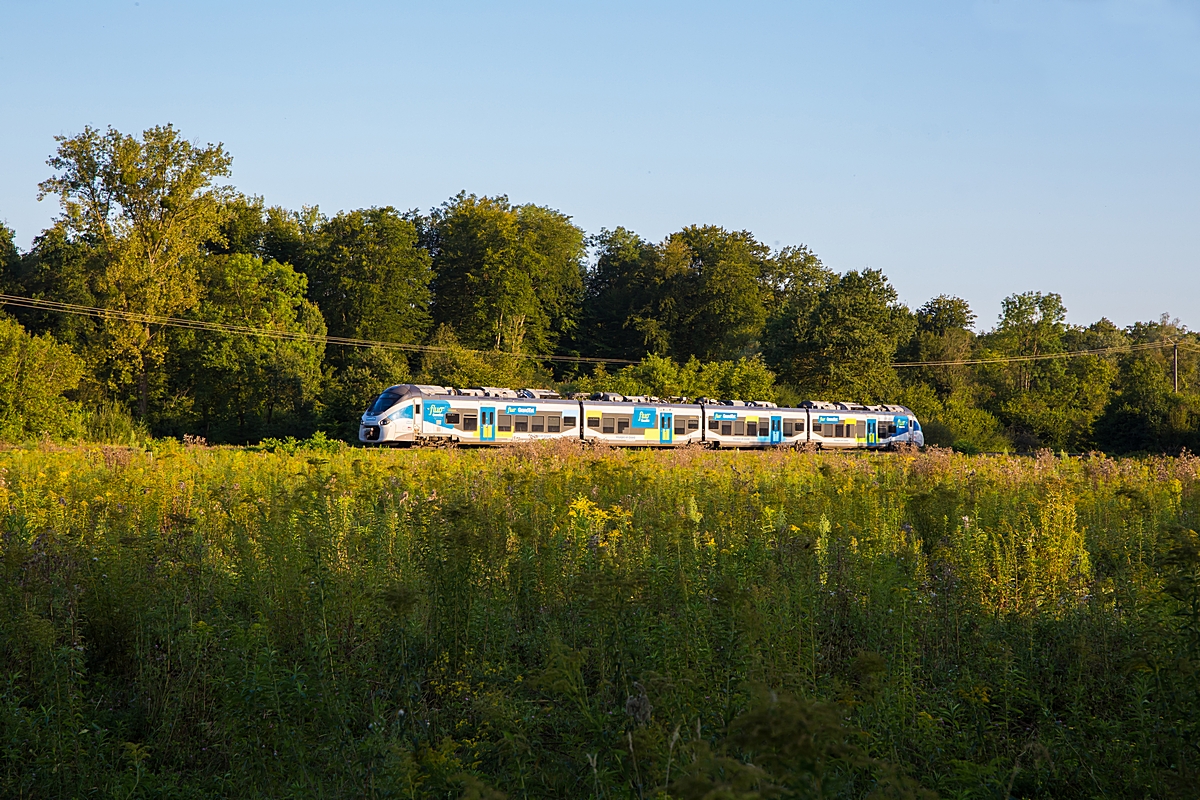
1126	348
344	341
246	330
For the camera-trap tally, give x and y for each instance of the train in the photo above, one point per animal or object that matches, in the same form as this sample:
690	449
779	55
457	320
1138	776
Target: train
418	414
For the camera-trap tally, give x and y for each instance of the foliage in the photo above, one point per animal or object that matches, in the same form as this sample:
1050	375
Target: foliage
508	278
840	343
307	620
746	379
248	380
370	278
35	372
144	207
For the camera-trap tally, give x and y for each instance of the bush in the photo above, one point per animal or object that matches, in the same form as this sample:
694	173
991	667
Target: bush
35	372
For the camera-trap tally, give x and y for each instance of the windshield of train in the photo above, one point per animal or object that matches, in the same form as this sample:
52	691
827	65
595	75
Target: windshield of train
384	402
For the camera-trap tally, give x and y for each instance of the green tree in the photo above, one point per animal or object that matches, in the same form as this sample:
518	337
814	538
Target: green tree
1144	412
370	277
35	371
145	206
718	291
628	309
452	364
508	277
943	333
840	343
1050	402
248	379
10	256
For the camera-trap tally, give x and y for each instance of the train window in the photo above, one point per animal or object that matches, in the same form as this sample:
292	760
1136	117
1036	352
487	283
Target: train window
593	422
568	422
693	423
623	423
726	429
680	427
521	424
891	429
839	431
739	427
752	428
503	422
451	417
860	429
539	424
713	424
799	427
787	427
553	423
470	423
417	408
610	424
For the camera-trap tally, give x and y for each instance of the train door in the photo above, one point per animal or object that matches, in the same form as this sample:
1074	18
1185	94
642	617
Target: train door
872	433
776	430
487	424
666	430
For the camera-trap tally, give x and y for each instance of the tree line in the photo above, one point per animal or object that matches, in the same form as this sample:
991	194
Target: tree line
482	291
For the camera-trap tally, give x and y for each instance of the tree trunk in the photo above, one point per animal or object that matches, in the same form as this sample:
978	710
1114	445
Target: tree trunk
143	390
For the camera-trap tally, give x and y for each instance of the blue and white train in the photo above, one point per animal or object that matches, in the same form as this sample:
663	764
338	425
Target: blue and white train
417	414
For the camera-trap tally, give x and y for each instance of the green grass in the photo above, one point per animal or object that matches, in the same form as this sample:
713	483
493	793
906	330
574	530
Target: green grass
544	622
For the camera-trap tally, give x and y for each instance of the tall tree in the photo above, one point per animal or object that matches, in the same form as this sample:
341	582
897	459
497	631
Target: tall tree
370	277
1046	401
719	291
1144	411
628	309
943	333
508	278
145	206
840	343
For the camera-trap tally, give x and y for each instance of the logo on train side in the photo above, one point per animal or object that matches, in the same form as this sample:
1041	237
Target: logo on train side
435	411
828	420
645	418
901	424
724	415
520	411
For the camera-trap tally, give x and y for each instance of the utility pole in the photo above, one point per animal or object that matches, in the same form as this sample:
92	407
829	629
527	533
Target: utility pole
1176	370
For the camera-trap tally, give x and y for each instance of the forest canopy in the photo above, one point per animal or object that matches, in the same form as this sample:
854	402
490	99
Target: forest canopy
484	291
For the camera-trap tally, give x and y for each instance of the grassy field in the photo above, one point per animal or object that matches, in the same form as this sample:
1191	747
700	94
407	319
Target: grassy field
544	622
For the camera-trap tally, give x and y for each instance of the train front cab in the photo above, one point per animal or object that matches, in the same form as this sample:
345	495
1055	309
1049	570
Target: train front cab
393	416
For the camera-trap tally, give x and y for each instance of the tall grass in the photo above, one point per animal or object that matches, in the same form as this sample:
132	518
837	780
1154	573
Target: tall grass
542	622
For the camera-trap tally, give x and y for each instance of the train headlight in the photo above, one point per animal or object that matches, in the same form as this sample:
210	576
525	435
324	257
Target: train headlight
384	421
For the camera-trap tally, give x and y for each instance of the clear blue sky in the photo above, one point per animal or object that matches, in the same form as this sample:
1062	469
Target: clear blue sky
970	148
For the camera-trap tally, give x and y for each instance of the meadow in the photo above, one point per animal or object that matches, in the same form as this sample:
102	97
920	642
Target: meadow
541	622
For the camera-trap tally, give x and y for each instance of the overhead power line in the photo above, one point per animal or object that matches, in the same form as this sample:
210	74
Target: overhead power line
246	330
344	341
1099	351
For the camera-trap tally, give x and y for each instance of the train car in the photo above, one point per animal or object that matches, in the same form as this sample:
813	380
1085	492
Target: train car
641	421
735	424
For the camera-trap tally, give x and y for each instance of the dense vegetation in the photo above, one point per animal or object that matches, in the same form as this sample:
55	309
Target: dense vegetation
482	291
328	622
